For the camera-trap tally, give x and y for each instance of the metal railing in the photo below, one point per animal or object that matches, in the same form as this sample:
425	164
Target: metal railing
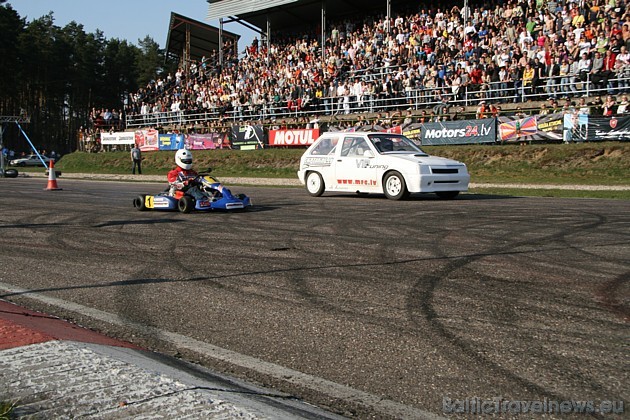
439	100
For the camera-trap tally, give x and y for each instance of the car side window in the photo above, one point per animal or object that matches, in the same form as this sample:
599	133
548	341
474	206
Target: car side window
325	147
354	147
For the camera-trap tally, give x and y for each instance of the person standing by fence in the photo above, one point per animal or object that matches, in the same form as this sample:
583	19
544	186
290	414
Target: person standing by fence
136	159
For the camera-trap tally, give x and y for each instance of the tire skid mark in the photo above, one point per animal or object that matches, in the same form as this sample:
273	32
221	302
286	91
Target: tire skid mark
424	300
609	294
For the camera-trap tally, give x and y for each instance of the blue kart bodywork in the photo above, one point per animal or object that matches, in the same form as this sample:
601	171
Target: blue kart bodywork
217	197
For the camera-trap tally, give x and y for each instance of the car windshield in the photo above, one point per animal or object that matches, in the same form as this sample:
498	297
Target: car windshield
385	143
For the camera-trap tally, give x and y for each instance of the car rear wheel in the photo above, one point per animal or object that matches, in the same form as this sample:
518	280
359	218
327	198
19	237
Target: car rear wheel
186	204
447	195
315	184
394	186
138	203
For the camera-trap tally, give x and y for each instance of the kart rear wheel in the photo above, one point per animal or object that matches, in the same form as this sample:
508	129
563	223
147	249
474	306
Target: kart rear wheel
447	195
138	203
186	204
10	173
315	184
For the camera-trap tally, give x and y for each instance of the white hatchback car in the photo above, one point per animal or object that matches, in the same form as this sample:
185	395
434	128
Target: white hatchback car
376	162
30	160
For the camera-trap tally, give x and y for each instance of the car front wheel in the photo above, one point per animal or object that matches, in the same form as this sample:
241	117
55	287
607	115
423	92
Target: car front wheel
315	184
394	186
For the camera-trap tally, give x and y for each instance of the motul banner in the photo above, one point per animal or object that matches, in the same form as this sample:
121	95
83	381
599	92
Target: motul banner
303	137
248	137
459	132
531	128
581	127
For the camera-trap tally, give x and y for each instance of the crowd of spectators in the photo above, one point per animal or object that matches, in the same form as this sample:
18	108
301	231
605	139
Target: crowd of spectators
106	119
500	52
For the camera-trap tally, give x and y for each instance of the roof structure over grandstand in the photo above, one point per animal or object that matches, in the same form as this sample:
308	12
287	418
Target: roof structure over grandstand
289	14
190	39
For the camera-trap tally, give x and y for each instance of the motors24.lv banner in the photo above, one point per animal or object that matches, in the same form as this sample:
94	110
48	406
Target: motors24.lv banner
459	132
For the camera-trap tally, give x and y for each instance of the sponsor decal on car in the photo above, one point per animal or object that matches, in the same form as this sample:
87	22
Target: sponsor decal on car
148	201
356	182
365	164
318	162
160	202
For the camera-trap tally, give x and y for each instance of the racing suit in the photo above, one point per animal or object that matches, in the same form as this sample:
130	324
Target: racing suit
179	180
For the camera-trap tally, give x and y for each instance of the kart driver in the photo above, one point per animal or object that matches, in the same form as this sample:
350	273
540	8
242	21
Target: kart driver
182	177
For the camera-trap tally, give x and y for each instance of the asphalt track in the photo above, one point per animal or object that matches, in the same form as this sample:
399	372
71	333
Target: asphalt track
362	305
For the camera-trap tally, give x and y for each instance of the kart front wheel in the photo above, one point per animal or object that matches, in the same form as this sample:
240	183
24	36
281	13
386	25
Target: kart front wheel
186	204
315	184
394	186
139	203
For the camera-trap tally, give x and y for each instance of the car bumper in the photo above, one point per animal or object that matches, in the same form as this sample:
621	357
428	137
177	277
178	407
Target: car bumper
436	183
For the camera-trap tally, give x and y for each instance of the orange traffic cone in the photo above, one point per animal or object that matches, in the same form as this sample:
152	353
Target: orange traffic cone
52	178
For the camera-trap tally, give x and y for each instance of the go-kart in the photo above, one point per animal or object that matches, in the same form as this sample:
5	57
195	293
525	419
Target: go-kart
216	197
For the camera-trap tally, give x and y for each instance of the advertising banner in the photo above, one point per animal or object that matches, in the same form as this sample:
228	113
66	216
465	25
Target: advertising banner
297	137
170	141
583	127
394	130
459	132
207	141
531	128
413	132
125	137
147	140
575	127
248	137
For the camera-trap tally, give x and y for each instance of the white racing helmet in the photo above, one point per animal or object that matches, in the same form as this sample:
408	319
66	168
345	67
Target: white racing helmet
184	159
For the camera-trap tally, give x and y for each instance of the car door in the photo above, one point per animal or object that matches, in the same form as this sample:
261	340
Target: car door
353	167
321	158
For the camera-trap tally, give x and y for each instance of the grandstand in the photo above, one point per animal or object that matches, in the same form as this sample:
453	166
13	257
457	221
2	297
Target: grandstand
393	57
190	40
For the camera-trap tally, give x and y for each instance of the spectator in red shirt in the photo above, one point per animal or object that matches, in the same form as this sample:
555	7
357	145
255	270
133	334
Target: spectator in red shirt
608	70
